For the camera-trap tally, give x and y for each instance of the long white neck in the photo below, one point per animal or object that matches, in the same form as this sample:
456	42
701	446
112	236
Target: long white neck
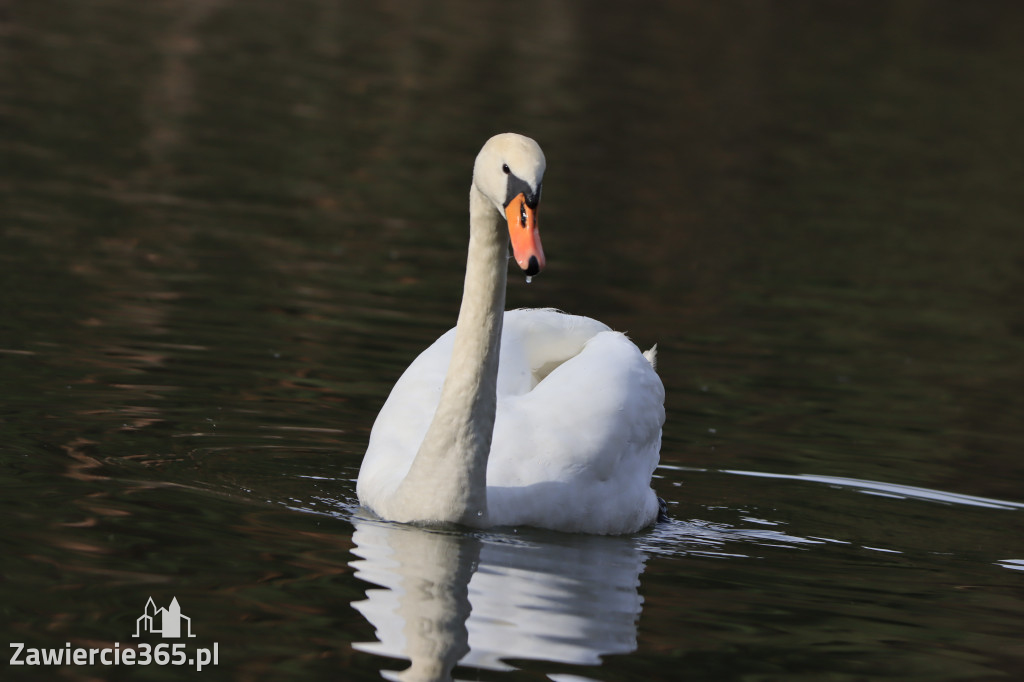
447	481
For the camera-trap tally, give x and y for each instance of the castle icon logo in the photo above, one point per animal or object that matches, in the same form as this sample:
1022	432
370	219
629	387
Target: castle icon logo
166	622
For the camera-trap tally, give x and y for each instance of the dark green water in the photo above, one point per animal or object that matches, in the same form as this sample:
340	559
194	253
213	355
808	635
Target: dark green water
226	228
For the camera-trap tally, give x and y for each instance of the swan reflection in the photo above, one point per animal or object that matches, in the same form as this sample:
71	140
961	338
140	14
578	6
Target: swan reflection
446	598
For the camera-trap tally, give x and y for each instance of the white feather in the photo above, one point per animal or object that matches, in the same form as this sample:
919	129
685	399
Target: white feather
577	430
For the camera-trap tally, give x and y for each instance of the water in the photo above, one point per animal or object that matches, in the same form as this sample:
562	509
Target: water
227	227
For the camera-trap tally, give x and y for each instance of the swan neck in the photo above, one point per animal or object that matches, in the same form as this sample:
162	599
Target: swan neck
471	381
449	474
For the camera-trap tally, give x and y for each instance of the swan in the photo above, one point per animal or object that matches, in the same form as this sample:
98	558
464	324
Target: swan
519	418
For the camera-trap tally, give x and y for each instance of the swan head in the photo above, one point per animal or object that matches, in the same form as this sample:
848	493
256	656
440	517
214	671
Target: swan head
508	172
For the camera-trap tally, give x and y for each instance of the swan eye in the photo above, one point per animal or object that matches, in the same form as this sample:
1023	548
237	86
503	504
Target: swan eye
504	168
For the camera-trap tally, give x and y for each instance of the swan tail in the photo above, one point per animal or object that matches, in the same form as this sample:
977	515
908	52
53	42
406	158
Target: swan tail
652	356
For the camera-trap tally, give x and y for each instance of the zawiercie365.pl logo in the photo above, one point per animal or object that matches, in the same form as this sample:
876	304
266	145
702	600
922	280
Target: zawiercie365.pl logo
169	623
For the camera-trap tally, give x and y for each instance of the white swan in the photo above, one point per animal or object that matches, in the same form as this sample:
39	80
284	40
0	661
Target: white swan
562	432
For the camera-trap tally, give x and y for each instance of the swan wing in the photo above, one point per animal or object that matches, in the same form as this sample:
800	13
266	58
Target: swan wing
403	421
576	451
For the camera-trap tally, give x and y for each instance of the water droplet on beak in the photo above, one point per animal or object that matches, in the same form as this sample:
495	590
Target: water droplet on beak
529	279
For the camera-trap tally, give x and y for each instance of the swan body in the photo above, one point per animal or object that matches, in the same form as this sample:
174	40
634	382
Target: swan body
526	417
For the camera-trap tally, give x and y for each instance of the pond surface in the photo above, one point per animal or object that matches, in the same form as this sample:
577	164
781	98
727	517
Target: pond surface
227	227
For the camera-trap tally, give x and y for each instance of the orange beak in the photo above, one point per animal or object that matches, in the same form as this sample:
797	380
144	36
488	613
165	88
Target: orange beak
522	228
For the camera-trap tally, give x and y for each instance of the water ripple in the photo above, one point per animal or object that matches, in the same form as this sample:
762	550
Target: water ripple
880	488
